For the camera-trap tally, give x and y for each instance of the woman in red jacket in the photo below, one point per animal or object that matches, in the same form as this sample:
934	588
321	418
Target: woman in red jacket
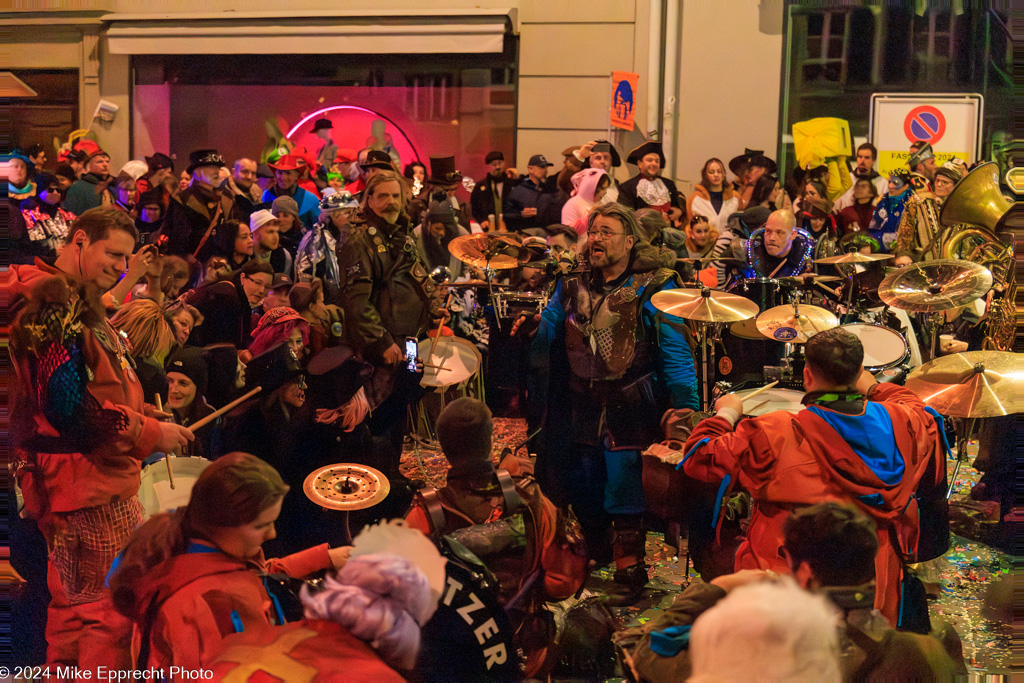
189	578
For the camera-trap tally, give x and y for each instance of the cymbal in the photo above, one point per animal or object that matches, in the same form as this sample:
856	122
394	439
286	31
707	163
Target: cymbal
704	304
710	259
467	284
489	250
810	277
795	323
932	286
346	486
972	384
854	257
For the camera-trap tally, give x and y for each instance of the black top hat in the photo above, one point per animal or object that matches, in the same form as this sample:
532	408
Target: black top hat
158	161
204	157
649	147
378	159
320	124
443	173
605	146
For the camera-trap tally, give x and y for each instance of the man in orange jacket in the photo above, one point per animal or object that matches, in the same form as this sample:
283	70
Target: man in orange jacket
80	431
873	445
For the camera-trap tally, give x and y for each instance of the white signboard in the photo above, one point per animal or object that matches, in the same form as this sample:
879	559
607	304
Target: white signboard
950	122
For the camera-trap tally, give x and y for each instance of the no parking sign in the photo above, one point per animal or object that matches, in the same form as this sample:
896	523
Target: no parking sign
950	123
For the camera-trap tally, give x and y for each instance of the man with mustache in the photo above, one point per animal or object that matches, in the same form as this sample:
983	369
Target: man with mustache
627	363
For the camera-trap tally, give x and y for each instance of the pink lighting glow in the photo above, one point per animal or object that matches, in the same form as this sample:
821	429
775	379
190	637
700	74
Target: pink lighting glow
320	112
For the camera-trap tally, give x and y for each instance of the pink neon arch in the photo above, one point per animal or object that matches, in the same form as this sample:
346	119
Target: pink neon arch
301	123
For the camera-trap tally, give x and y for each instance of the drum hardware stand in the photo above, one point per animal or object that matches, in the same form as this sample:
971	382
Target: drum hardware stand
707	334
964	430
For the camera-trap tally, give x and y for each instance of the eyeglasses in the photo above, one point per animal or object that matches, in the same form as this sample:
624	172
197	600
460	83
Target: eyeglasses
264	287
601	234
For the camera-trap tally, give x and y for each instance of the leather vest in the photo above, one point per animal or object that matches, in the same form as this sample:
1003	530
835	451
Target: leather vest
604	335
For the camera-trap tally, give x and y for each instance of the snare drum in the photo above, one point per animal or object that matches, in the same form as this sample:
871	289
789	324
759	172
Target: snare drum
510	305
772	400
884	347
156	493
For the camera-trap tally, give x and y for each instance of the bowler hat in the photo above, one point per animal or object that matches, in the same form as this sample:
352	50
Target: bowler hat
321	124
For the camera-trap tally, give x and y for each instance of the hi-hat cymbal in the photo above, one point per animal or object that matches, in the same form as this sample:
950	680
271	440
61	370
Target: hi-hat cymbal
972	384
810	278
854	257
704	304
346	486
932	286
489	250
795	323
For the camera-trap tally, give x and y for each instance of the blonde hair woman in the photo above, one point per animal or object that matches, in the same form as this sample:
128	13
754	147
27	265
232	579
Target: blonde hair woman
151	339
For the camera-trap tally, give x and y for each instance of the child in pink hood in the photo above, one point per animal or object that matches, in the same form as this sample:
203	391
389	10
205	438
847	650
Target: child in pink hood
590	184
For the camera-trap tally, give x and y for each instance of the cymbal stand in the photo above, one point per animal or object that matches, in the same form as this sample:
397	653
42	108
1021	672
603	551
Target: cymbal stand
964	429
705	333
489	275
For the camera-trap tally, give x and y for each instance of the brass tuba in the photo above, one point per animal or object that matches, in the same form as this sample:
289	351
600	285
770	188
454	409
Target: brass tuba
978	201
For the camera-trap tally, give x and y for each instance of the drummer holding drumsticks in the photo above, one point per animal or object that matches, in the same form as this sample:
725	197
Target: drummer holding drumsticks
80	432
873	445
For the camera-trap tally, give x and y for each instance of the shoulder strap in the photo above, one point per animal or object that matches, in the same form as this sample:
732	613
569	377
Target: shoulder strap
513	501
438	521
209	229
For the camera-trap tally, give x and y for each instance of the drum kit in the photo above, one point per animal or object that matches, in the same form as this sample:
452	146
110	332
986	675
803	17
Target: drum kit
781	314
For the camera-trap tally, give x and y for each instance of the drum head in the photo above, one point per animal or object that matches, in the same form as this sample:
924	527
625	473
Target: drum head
457	360
156	493
882	346
772	400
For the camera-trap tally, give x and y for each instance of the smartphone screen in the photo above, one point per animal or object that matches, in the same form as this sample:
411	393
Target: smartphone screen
411	351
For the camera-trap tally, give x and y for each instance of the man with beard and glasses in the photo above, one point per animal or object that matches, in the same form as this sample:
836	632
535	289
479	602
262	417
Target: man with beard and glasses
614	365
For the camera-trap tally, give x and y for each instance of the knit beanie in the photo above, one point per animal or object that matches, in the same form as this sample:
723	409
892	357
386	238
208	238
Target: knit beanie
441	212
191	362
465	431
284	204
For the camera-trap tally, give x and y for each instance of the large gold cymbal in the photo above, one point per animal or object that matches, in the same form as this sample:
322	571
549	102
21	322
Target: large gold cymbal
704	304
489	250
853	257
932	286
972	384
795	323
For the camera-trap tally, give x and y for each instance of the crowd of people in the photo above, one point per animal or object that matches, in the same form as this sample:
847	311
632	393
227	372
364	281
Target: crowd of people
147	301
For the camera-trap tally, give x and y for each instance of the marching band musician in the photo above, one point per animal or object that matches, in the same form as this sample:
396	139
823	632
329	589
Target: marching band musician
874	445
627	363
919	235
80	431
779	249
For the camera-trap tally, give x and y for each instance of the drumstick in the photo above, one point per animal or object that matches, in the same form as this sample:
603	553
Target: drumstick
440	324
756	392
217	413
167	456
